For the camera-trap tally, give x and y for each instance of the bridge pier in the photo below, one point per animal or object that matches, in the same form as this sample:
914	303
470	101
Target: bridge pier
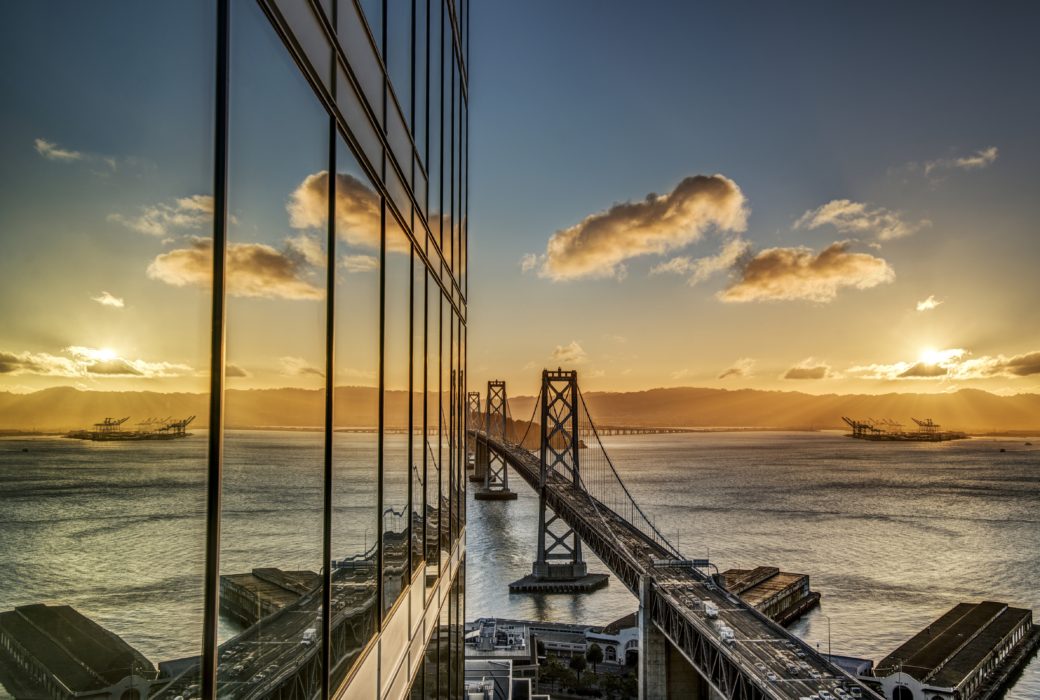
493	465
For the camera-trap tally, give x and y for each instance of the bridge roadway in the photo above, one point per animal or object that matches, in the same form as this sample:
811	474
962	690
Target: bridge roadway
763	661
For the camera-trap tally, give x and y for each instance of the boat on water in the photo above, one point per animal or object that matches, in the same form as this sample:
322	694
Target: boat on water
111	430
886	430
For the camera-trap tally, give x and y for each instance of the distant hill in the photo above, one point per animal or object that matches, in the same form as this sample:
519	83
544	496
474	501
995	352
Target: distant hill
65	408
969	409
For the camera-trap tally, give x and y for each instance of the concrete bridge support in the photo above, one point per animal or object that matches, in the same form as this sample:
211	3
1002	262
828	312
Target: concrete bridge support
663	671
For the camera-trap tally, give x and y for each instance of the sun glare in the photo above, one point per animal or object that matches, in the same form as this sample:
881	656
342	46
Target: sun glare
929	356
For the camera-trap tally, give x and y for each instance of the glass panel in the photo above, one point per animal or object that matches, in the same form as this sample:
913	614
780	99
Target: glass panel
373	11
429	670
456	218
307	29
355	514
421	63
105	187
447	129
436	110
444	444
271	524
432	417
360	125
418	433
360	55
399	51
444	656
396	362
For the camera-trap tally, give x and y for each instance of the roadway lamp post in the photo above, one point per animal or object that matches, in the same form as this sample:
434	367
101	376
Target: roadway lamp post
828	637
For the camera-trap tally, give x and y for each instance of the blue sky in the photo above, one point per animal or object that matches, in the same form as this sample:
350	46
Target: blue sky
579	105
820	170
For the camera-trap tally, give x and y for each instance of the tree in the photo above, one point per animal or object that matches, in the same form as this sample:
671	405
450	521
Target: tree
594	655
578	664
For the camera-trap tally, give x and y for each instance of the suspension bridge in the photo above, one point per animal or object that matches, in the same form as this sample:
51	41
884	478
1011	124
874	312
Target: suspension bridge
697	639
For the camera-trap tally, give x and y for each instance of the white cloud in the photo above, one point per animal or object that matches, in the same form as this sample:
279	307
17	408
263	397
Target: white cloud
809	369
81	361
52	151
571	353
253	270
600	244
297	366
983	158
192	212
928	304
700	269
742	368
799	273
860	219
106	299
528	262
359	263
953	364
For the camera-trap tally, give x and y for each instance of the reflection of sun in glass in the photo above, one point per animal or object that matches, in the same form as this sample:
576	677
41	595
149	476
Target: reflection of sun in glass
106	354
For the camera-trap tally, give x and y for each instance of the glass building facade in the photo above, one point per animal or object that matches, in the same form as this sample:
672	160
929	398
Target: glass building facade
233	291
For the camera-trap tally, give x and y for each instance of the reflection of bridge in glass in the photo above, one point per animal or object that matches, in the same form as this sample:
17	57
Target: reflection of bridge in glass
697	640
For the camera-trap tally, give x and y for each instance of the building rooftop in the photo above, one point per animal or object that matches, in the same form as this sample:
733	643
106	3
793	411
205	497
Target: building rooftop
946	652
79	653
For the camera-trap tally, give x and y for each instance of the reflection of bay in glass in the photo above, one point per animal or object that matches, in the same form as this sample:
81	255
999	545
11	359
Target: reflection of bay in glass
272	494
355	453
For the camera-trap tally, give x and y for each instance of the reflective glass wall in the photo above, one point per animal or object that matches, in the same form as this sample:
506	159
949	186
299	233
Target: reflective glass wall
232	348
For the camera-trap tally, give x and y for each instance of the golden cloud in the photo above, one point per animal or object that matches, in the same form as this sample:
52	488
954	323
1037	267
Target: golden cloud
253	270
797	273
600	244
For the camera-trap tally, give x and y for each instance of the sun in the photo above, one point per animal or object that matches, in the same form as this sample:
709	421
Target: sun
930	356
106	354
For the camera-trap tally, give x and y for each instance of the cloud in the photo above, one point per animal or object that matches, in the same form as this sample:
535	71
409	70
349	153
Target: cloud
928	304
298	367
192	212
52	151
253	270
860	219
798	273
82	361
359	263
106	299
740	369
357	210
599	245
809	369
572	353
528	262
700	269
231	370
983	158
954	364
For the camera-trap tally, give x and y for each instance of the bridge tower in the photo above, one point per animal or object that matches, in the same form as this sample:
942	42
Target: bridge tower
493	465
559	567
474	421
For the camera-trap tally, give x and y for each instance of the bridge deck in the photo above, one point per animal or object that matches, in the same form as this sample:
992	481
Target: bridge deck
764	660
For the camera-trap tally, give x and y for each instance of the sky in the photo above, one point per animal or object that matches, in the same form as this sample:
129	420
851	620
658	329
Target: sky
844	195
821	197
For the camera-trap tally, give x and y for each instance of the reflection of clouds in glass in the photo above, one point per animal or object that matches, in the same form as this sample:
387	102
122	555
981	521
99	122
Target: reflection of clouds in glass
253	270
359	263
107	299
297	366
81	361
357	210
192	212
